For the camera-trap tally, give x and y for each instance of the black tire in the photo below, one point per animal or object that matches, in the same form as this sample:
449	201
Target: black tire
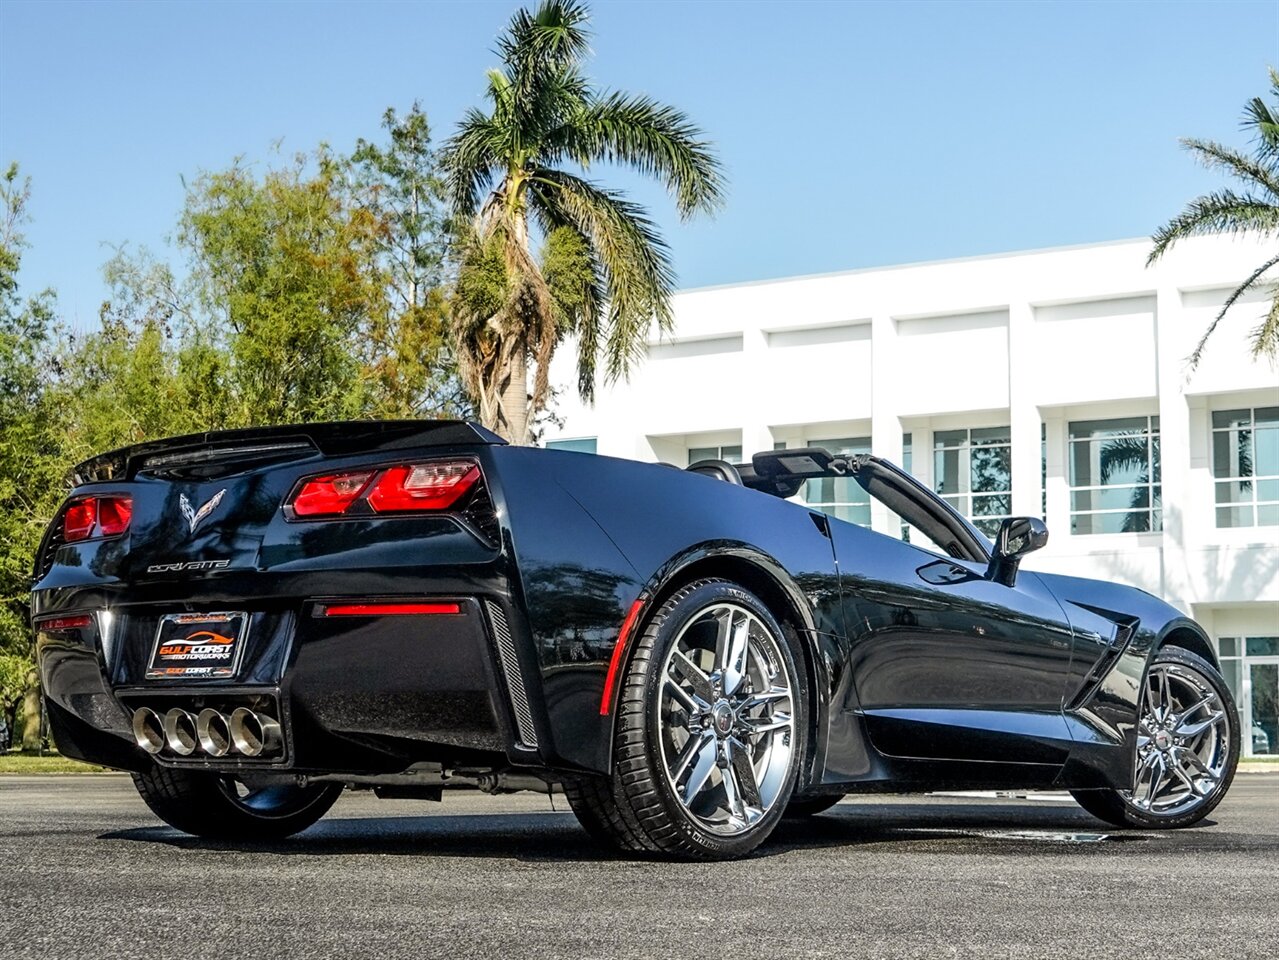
811	806
642	810
595	806
210	806
1117	807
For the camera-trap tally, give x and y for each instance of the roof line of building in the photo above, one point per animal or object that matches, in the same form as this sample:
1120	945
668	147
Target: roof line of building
913	264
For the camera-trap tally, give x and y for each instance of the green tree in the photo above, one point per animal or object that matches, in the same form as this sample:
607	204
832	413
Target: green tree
286	268
1254	210
507	176
407	349
31	449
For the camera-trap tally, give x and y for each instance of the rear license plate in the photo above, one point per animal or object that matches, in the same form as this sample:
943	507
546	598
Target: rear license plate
197	645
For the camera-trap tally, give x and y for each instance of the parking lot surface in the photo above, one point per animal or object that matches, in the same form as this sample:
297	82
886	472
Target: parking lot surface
87	872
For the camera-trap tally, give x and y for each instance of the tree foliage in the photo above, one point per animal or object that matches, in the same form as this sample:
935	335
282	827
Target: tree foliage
604	273
1252	208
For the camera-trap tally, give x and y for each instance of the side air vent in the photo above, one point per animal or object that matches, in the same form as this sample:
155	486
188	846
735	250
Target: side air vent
511	673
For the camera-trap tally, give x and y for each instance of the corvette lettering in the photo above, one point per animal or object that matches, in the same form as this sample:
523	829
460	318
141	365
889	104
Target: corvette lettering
189	565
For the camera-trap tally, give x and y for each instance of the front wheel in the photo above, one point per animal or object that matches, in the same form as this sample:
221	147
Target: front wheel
711	719
250	807
1187	747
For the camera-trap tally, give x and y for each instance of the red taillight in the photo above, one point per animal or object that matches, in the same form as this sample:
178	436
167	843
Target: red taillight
403	488
114	514
79	520
64	623
423	486
390	609
96	517
329	496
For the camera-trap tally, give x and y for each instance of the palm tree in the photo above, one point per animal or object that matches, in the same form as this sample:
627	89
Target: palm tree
1255	210
604	273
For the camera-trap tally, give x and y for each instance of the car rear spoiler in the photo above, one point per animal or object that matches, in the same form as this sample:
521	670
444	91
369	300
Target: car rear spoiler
198	454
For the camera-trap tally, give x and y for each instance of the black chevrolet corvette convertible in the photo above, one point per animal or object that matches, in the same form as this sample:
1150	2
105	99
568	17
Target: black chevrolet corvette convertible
250	621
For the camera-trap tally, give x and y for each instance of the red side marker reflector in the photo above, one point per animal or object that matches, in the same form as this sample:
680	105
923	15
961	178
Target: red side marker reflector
65	623
619	649
390	609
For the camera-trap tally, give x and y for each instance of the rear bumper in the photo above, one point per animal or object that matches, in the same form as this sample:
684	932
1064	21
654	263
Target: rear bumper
353	694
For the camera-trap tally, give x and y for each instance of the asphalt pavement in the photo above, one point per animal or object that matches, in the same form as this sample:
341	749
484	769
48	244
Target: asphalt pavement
86	872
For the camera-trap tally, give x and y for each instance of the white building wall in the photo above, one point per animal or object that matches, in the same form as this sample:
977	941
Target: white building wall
1030	340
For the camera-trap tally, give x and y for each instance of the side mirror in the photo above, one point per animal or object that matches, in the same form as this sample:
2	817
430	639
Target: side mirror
1017	537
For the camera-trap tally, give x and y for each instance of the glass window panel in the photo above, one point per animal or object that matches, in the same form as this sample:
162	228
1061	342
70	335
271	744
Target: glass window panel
1081	471
1156	465
1156	518
1262	646
1228	647
1268	515
1089	523
584	445
1265	707
1265	454
991	469
1232	453
1090	429
1111	498
988	435
1235	516
858	513
702	453
731	454
1221	419
1267	416
988	527
1267	489
992	506
949	438
946	472
1234	491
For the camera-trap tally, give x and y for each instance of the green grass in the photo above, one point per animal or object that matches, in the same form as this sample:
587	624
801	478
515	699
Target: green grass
49	763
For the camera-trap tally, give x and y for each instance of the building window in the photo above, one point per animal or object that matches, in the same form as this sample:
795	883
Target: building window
584	445
841	497
972	471
1245	466
1114	476
1251	668
731	454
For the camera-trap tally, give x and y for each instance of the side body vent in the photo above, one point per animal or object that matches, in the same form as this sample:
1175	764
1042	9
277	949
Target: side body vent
511	674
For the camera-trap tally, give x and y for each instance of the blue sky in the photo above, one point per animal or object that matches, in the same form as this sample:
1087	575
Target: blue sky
854	134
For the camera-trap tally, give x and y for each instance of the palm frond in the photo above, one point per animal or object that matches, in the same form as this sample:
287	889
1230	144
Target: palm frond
656	139
470	158
1217	156
1265	338
551	38
633	257
1222	212
1259	344
1264	121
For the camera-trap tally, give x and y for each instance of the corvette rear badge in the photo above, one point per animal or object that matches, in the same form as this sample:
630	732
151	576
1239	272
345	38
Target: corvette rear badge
195	517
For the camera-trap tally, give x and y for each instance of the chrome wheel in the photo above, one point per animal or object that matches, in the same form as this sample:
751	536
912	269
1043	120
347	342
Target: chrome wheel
1183	742
726	719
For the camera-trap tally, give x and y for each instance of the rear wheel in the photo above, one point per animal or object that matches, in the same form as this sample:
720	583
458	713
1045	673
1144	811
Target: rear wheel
710	719
1187	747
251	807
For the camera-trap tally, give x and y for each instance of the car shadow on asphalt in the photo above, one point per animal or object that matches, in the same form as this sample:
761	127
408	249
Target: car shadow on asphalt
546	836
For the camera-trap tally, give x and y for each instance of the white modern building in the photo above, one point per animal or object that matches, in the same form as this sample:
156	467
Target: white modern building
1049	382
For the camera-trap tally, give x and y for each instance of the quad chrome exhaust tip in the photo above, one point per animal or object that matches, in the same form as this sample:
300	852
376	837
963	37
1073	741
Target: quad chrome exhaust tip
212	733
180	732
254	734
213	730
148	730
